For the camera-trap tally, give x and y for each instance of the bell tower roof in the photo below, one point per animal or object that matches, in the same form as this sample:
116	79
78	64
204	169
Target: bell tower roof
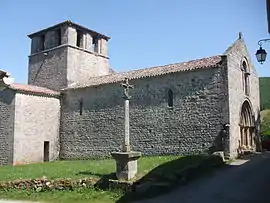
72	24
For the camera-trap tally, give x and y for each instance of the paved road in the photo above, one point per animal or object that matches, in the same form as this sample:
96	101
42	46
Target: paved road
245	181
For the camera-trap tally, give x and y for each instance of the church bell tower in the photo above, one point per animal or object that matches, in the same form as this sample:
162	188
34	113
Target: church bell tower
65	55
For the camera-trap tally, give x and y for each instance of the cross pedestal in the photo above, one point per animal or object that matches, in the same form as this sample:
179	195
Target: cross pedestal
126	164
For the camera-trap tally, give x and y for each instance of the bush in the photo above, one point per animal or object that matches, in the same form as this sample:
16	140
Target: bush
264	92
265	123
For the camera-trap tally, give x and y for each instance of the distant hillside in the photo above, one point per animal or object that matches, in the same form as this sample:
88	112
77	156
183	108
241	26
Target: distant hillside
265	92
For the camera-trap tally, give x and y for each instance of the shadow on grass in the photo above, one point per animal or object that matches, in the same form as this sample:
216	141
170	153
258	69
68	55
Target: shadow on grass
163	178
90	173
170	175
103	182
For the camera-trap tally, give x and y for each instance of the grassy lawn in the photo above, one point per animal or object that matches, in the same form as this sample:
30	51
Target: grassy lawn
147	167
80	196
76	169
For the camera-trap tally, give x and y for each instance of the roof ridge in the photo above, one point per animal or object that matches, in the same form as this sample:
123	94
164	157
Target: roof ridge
160	66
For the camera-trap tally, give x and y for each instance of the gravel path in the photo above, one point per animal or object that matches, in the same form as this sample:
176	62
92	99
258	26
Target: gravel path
244	181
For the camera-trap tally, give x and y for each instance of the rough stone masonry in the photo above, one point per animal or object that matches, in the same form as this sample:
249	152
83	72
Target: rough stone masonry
179	108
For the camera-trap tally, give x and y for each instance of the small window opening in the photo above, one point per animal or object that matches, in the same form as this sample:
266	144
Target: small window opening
42	42
245	78
170	98
79	39
46	152
95	44
58	37
81	107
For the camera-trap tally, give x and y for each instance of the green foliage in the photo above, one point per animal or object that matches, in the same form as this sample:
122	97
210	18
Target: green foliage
265	123
264	92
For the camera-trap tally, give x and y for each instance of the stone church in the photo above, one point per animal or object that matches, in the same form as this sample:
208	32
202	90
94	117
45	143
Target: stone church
73	106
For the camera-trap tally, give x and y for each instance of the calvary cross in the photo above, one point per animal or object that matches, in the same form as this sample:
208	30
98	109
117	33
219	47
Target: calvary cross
126	87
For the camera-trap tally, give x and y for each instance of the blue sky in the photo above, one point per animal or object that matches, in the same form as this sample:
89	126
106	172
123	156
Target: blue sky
143	33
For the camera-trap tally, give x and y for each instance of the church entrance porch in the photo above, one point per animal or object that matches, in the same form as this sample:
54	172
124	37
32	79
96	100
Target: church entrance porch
247	129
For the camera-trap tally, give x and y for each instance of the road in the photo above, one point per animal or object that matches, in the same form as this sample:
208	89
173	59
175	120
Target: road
244	181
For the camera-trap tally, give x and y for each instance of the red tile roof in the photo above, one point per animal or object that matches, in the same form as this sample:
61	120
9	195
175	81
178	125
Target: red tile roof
34	89
213	61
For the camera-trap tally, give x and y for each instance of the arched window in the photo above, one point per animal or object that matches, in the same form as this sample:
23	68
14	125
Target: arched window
245	77
170	98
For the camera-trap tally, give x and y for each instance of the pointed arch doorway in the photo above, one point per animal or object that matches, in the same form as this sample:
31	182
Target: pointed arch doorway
247	128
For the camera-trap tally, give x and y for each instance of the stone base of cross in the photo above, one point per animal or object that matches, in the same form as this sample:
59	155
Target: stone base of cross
126	164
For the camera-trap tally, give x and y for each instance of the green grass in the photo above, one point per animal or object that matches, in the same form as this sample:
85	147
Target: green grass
77	196
148	167
58	169
76	169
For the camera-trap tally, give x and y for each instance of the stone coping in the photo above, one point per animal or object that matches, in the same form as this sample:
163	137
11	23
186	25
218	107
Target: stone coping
126	155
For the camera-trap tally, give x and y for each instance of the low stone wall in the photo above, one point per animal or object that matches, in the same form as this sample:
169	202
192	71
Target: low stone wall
43	184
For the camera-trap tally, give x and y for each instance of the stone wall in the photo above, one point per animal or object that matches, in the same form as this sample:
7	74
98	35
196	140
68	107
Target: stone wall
236	54
7	111
65	65
49	71
83	64
36	121
193	125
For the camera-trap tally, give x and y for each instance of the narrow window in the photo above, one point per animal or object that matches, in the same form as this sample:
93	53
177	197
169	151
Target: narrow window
95	44
81	107
245	74
79	39
58	37
170	98
42	42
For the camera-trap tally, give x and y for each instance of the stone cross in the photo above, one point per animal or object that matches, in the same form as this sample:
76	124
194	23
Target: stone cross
126	86
126	161
240	35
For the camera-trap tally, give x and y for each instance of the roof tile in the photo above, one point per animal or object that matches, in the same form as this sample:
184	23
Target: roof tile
34	89
151	72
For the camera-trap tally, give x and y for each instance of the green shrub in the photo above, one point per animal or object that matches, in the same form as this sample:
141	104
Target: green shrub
264	92
265	123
